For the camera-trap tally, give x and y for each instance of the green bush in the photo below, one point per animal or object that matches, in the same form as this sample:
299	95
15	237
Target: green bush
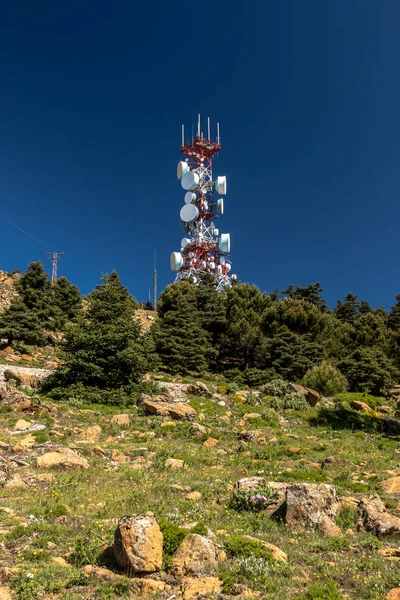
347	517
276	387
241	546
293	401
372	401
322	591
253	500
86	551
172	536
325	379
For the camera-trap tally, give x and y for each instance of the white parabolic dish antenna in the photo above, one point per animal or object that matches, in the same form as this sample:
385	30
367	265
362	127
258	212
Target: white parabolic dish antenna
190	197
176	261
185	242
220	206
182	168
189	213
225	242
220	185
190	181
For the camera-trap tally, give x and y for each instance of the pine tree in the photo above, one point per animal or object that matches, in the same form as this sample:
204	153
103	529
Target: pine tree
21	324
245	308
181	342
311	294
65	296
104	349
347	311
394	316
211	306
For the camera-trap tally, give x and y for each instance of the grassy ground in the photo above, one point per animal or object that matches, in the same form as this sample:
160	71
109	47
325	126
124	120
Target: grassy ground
78	510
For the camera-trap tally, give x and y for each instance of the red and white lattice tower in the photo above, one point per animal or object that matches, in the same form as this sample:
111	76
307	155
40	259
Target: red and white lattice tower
204	249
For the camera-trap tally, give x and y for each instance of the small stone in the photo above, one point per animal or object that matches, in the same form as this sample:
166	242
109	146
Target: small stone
193	496
91	434
358	405
391	485
58	560
5	593
145	588
21	424
50	545
251	416
294	450
192	587
123	419
168	424
210	443
174	463
64	457
15	481
394	594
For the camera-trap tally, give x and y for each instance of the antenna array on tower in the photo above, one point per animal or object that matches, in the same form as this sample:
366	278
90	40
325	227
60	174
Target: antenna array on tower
203	250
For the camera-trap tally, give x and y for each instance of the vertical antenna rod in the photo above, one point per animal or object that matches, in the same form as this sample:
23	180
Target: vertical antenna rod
54	256
198	126
183	135
155	282
208	129
217	133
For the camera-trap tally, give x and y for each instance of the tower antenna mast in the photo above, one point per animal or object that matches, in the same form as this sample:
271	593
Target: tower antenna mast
54	256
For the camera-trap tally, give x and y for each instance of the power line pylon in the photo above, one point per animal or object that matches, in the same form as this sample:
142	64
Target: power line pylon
54	256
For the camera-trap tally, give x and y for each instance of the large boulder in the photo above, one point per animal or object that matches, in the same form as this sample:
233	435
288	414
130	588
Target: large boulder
195	553
124	419
22	378
312	506
181	412
63	457
138	544
311	396
153	407
198	388
376	519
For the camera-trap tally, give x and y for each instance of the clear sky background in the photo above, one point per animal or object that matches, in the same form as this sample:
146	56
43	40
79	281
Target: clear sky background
92	97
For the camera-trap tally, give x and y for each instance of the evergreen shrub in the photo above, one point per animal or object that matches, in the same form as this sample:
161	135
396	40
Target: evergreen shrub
325	379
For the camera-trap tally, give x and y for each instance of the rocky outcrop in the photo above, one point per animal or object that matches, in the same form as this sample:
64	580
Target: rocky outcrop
376	519
63	457
138	544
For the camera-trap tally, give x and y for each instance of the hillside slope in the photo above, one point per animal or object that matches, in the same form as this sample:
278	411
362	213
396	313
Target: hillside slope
325	483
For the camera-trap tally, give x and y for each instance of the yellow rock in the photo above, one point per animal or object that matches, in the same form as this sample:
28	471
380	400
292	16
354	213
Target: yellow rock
200	586
21	424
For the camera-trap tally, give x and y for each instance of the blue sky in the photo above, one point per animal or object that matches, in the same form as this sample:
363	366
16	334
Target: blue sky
307	93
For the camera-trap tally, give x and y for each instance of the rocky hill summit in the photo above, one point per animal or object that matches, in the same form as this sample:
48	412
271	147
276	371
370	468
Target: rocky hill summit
7	289
202	490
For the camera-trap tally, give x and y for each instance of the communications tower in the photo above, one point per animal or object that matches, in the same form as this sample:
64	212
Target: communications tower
204	249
